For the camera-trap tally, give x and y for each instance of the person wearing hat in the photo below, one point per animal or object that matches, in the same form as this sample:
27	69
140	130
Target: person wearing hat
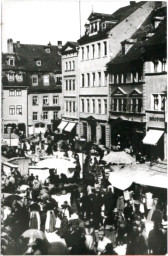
90	235
102	241
109	250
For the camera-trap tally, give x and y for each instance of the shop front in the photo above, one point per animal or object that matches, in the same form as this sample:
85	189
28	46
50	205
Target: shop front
155	140
127	134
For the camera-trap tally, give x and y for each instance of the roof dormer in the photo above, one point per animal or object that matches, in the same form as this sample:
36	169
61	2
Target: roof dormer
10	60
127	44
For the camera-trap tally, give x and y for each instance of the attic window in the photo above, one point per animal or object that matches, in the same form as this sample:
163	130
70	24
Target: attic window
19	77
48	50
11	61
38	62
11	76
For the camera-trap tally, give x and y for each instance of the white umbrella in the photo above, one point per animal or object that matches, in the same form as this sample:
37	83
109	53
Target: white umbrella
119	157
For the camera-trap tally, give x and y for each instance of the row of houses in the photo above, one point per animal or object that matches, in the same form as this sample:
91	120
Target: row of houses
109	86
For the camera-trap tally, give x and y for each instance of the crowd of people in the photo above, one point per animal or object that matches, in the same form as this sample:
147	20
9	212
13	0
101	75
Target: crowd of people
90	214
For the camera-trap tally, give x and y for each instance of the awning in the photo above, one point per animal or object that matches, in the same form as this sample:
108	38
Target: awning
62	125
152	137
122	178
69	127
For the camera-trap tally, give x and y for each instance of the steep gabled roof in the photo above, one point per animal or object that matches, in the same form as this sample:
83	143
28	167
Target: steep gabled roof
72	45
115	19
26	56
145	48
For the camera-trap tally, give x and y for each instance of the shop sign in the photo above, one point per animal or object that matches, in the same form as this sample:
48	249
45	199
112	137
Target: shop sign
155	120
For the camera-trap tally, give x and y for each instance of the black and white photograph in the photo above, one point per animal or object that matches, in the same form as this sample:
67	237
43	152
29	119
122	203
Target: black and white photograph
83	127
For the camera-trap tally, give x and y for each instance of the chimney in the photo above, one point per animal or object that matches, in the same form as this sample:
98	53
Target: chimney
10	45
59	44
49	44
132	3
18	44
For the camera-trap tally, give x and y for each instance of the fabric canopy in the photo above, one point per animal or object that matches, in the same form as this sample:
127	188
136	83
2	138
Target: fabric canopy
69	127
119	157
62	125
152	137
122	178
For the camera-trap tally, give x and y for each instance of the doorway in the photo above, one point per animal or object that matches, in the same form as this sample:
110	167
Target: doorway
103	135
93	132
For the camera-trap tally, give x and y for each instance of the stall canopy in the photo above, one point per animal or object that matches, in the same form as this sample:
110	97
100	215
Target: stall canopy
152	137
62	125
123	177
119	157
69	127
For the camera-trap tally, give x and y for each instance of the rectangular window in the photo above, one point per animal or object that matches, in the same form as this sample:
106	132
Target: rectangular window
94	79
35	80
73	81
70	106
139	105
105	48
133	105
105	107
73	65
124	105
34	103
55	115
73	106
88	79
83	80
11	62
70	85
115	105
11	110
87	52
163	101
34	116
18	92
69	65
11	77
55	100
45	115
66	66
99	78
93	103
156	64
19	77
82	105
88	106
99	50
66	106
120	104
46	79
93	51
83	53
45	100
105	78
19	110
156	101
99	106
66	85
11	92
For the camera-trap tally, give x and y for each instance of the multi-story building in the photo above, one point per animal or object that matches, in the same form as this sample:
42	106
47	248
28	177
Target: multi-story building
70	87
32	86
14	91
138	88
98	46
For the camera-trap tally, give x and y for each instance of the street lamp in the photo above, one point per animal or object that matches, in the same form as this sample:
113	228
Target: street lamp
9	132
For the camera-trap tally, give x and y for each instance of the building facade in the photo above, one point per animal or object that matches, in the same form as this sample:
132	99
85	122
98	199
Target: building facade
32	86
138	89
70	85
98	46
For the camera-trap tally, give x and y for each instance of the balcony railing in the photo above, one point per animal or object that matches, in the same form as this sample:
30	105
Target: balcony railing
131	108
